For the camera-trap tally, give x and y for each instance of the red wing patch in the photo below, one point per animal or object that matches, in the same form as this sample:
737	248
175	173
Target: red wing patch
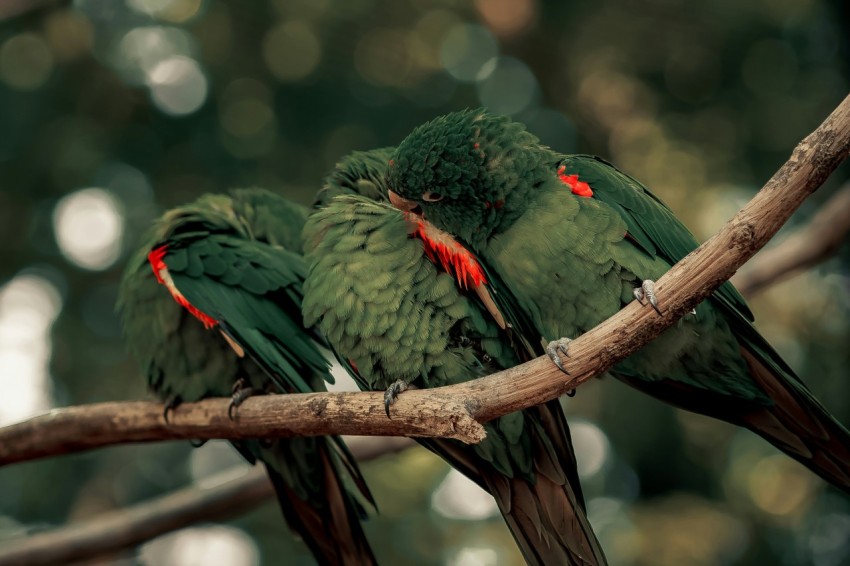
444	250
157	260
579	188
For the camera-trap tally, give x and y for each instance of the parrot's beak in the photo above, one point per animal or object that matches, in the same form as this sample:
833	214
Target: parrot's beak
401	203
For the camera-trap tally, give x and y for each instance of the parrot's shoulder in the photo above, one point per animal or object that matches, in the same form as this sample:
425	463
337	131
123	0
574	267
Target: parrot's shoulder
651	226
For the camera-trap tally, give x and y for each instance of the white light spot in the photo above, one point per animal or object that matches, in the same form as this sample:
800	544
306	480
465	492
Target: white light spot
25	61
88	225
591	447
466	49
28	307
342	379
458	497
178	85
474	556
150	7
143	48
200	546
208	460
507	86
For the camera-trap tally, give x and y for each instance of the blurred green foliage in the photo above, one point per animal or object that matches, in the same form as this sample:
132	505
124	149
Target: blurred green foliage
154	102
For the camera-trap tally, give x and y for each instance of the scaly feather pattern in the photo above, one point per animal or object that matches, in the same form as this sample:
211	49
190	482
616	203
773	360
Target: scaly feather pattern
393	314
570	240
214	296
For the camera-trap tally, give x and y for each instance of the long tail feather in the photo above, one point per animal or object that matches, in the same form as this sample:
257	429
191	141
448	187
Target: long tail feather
546	517
800	426
331	527
795	422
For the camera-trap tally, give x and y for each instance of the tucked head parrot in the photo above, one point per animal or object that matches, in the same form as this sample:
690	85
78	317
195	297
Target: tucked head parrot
211	306
570	240
386	291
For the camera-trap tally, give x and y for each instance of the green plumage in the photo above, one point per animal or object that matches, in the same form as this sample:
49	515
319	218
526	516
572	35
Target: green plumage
236	258
388	311
570	261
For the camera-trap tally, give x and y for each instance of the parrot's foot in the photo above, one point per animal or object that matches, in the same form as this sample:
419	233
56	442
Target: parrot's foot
557	347
170	404
392	393
646	292
240	392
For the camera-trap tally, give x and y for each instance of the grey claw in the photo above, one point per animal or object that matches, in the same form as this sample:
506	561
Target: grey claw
237	399
557	347
170	404
647	292
392	393
241	391
238	385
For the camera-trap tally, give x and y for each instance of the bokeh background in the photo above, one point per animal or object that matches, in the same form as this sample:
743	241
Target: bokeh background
114	110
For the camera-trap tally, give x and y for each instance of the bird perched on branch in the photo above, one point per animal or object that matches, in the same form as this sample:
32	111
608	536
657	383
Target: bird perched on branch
386	291
211	306
570	240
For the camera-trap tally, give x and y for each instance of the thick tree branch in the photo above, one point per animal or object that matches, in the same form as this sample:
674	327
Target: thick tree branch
125	528
805	248
456	411
84	427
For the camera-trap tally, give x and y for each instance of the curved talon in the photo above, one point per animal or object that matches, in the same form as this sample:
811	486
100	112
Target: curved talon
645	292
557	347
238	385
197	443
392	393
238	397
170	404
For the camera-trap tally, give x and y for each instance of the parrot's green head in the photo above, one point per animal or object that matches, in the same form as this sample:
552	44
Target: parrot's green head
468	173
361	173
268	217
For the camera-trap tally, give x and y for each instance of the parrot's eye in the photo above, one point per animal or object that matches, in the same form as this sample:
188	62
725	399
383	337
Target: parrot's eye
429	196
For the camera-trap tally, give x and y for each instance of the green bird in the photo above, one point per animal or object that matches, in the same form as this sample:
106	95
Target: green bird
569	240
383	288
211	306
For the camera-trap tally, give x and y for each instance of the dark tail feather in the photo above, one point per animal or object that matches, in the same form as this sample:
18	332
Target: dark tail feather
795	423
331	526
800	426
546	517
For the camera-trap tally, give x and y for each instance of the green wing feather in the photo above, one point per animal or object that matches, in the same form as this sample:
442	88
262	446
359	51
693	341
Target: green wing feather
385	307
651	224
253	291
715	363
227	256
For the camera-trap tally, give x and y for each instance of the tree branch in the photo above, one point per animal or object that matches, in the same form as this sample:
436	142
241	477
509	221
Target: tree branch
73	429
125	528
805	248
456	411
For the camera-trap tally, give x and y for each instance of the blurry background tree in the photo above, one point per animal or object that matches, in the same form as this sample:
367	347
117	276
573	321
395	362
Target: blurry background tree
113	110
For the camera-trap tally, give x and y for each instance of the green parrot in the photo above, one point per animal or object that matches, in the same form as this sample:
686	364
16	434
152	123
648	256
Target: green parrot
568	240
211	307
383	288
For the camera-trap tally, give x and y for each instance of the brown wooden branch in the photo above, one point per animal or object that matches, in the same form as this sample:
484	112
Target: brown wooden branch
84	427
803	249
129	527
456	411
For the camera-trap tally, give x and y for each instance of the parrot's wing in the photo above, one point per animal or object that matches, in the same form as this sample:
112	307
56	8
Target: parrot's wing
796	421
253	291
652	226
